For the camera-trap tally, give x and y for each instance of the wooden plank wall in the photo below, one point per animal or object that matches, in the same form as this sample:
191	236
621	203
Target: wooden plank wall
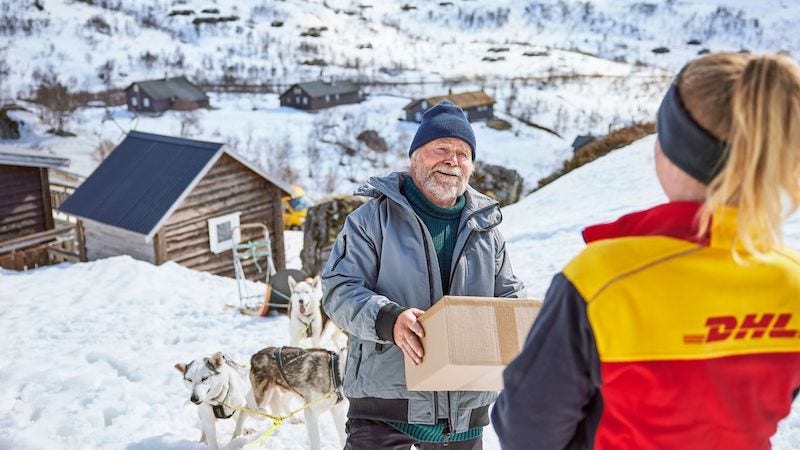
227	188
103	241
22	209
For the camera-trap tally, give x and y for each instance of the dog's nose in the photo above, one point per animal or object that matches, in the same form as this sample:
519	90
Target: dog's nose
195	399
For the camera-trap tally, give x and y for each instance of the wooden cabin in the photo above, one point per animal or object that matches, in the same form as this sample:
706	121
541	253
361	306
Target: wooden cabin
160	95
581	141
321	94
26	212
161	198
477	105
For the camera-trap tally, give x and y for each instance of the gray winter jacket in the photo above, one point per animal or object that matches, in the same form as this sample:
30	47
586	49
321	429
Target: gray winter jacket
384	262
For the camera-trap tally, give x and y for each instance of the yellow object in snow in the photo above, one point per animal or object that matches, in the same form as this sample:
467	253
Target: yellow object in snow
295	208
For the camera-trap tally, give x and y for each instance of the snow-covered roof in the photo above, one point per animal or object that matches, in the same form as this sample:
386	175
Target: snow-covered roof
30	158
145	179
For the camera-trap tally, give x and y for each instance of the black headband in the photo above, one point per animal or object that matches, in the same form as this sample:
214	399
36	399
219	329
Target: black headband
686	143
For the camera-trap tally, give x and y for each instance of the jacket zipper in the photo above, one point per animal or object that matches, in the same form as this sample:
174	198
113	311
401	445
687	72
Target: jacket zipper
455	261
430	297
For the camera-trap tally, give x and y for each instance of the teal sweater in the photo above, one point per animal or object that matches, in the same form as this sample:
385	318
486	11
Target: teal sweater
442	223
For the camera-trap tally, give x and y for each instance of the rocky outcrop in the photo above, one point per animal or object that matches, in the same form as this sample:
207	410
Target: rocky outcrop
498	182
373	141
323	223
9	128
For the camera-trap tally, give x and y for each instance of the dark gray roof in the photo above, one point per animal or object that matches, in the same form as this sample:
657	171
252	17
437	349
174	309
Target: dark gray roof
322	88
145	179
582	140
30	158
178	87
137	184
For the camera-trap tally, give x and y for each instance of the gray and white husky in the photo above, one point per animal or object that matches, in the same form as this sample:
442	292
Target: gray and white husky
305	316
310	374
216	384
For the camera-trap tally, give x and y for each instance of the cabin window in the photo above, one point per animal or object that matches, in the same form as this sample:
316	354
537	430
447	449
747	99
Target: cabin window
337	96
297	90
418	115
327	98
424	104
134	101
305	100
223	232
136	88
146	102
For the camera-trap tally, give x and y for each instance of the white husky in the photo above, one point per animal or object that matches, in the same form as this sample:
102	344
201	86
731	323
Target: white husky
305	317
216	385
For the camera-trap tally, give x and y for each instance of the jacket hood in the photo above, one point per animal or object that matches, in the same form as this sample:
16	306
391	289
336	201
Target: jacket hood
481	210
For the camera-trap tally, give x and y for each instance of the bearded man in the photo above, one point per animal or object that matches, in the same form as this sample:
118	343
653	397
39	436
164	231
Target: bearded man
423	234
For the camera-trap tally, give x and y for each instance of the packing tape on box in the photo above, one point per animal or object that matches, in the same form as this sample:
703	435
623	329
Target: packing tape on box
508	335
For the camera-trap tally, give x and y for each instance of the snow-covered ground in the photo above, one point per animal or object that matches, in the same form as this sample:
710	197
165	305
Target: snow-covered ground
88	348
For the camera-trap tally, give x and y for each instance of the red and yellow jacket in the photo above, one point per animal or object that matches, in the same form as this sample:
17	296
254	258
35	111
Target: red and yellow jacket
654	338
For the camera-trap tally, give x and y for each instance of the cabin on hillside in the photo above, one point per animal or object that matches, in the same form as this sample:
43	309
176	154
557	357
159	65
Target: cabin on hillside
317	95
161	198
581	141
477	105
155	96
29	235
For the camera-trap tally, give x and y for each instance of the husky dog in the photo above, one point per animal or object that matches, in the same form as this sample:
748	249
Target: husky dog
311	374
216	385
305	316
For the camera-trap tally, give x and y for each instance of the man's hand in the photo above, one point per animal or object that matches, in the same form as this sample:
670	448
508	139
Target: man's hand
407	332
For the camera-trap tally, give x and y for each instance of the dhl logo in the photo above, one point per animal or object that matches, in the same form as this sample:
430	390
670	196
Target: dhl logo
753	326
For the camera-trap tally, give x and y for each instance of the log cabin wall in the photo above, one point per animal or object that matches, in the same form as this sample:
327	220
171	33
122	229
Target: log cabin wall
227	188
104	241
24	201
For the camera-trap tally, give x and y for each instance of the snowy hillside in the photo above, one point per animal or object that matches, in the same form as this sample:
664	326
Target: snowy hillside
88	348
575	67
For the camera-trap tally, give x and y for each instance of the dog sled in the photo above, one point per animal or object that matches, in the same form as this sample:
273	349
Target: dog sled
258	253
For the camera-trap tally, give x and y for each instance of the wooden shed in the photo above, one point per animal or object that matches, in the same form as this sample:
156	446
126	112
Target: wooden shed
167	93
26	212
477	105
321	94
161	198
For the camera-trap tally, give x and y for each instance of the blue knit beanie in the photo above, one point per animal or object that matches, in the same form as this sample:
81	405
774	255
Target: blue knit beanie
444	119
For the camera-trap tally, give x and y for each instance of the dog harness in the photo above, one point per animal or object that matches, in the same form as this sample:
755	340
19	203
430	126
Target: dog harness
336	377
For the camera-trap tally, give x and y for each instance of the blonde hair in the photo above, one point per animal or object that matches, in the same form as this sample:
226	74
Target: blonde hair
753	104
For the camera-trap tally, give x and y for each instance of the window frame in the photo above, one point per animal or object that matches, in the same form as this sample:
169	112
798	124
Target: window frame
214	244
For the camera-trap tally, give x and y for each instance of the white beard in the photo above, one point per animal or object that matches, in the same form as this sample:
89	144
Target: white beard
442	190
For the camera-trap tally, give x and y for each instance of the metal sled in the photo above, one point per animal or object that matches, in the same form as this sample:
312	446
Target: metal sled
260	253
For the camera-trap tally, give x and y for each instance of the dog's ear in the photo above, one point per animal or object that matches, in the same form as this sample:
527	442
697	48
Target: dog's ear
181	368
216	360
292	283
316	283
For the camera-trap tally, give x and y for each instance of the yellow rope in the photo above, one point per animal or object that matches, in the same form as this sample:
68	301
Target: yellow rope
276	420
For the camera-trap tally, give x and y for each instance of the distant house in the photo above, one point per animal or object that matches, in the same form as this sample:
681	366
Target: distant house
477	105
160	198
321	94
161	95
26	213
581	141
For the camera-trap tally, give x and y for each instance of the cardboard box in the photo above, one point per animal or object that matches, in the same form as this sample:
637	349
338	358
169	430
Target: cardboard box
469	341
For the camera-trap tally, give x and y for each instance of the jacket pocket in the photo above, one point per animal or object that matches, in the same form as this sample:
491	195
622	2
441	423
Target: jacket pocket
358	360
